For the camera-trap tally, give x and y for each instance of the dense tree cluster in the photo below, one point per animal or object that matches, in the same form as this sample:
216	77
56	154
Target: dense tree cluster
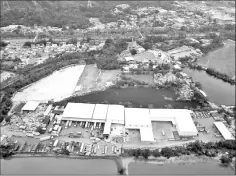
220	75
198	148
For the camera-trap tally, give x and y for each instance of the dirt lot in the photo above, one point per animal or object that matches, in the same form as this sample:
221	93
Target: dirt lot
94	79
59	85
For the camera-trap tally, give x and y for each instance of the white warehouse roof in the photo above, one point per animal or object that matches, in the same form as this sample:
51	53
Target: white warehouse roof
100	111
224	131
137	118
146	134
185	124
180	117
78	111
115	114
30	106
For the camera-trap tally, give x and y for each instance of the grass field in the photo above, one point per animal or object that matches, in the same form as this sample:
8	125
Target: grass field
59	85
222	60
146	78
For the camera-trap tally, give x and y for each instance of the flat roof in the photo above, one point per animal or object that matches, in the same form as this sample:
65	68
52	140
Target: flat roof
100	111
139	117
30	106
116	113
78	111
181	117
146	134
107	128
185	122
224	131
49	108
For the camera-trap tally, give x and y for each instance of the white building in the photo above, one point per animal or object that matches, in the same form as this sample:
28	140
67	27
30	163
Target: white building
30	106
181	118
224	131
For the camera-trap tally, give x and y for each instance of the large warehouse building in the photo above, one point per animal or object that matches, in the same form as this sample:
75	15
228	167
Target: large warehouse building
131	118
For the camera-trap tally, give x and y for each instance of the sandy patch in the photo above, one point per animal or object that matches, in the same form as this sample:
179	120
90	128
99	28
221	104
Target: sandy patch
59	85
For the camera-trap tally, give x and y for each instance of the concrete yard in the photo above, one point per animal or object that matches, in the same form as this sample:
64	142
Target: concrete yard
158	127
59	85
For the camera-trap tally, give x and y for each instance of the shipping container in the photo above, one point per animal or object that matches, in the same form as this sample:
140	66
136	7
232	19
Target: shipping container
45	138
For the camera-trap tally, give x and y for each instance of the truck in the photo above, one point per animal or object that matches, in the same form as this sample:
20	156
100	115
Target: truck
82	147
55	143
163	133
50	130
67	123
70	123
45	138
59	129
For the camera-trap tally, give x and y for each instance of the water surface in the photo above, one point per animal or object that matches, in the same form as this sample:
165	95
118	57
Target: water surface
44	166
141	96
176	169
218	91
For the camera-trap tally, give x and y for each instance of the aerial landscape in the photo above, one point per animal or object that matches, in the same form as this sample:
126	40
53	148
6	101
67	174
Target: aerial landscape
117	88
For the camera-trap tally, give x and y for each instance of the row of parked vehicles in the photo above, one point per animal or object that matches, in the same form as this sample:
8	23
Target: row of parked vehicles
200	115
83	124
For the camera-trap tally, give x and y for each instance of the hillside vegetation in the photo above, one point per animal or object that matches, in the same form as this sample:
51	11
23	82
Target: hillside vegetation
63	13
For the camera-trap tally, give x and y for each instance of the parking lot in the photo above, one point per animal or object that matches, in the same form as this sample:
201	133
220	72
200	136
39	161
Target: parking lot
133	136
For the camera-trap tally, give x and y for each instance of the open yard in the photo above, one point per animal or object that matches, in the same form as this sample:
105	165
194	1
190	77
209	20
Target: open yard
166	127
59	85
206	137
94	79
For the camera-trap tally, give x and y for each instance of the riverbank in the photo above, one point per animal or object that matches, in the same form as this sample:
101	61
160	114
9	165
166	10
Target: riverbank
124	163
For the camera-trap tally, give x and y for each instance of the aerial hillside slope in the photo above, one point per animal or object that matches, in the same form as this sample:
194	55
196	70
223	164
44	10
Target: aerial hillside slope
63	13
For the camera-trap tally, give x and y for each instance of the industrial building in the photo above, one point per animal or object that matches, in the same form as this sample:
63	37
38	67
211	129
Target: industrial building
131	118
30	106
224	131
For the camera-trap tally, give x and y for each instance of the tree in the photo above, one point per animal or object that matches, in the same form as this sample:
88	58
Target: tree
7	118
146	153
40	130
225	159
133	51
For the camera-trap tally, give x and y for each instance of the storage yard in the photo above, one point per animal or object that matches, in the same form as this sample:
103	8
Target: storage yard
60	85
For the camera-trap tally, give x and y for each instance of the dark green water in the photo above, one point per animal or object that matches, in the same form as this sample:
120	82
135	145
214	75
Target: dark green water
137	96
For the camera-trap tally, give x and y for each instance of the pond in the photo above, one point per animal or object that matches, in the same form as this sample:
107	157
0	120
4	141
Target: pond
141	96
218	91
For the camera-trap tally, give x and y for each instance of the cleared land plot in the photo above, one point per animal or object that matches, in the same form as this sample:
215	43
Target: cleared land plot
59	85
93	79
146	78
158	127
87	80
206	137
222	59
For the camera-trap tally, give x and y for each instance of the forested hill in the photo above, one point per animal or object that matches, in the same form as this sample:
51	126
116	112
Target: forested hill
61	13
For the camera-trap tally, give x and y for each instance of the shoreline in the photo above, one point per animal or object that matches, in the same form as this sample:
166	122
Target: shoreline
124	162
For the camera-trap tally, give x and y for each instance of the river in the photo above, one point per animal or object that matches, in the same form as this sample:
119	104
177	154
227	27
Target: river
176	169
137	96
63	166
218	91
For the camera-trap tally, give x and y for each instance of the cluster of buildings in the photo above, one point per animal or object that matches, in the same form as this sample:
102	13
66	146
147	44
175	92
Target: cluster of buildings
130	118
